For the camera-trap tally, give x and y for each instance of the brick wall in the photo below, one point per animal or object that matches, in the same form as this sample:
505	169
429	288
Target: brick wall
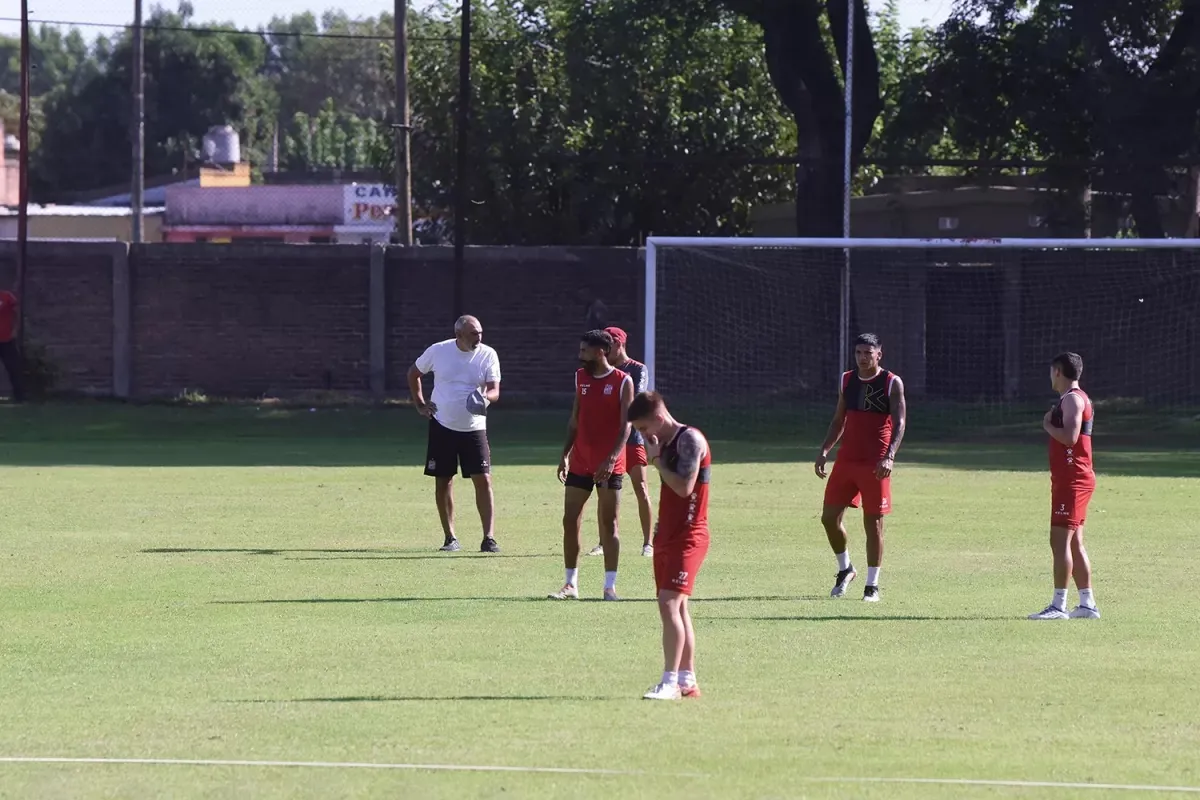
68	307
249	320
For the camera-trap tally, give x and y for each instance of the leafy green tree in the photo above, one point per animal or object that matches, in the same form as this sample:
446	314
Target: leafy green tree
193	81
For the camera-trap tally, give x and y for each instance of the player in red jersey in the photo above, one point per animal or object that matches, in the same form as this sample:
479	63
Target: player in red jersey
635	451
594	457
870	419
684	462
1072	482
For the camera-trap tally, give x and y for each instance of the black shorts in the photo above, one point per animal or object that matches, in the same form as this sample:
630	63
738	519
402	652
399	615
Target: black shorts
448	449
587	482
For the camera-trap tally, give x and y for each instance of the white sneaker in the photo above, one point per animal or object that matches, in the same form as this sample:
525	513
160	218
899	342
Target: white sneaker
598	550
664	691
1049	612
567	592
648	550
1085	612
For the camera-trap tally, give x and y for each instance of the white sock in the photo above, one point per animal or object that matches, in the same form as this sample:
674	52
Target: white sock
843	560
873	576
610	580
572	575
1060	599
687	677
670	678
1086	599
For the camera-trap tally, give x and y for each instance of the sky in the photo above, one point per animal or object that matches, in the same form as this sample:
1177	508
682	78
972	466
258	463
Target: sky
254	13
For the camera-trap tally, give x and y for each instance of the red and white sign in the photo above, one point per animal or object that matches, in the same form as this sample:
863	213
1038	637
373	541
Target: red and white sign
369	205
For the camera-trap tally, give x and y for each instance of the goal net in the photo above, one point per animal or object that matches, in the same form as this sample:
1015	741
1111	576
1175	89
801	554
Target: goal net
748	337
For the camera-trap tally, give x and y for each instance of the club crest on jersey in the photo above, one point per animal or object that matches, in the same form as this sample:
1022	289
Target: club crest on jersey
608	388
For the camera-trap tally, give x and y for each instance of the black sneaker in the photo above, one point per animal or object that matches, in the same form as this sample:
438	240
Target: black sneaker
871	594
489	545
842	581
451	546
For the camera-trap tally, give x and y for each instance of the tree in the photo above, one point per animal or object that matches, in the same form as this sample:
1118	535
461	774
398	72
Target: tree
1111	81
593	124
193	81
805	71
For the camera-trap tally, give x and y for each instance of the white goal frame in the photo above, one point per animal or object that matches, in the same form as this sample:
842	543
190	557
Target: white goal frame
653	243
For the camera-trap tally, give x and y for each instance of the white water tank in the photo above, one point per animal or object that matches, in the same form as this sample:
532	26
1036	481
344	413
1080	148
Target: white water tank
222	145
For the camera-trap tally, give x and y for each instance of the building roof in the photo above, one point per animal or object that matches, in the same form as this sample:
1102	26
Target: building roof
78	211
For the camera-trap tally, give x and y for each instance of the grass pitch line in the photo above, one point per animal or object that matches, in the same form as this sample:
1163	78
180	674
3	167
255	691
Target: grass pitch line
218	762
1110	787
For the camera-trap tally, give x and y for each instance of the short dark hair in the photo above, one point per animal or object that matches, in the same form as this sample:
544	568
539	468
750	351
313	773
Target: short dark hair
869	339
645	404
598	338
1070	364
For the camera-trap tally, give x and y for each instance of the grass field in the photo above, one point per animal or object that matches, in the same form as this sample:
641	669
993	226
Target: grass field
262	584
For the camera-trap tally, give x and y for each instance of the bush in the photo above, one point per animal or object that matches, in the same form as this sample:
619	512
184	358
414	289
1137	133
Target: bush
39	372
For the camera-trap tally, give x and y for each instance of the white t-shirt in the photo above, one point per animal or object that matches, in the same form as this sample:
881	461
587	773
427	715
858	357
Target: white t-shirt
456	374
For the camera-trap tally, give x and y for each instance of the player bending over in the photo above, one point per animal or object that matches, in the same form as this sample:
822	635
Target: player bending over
594	457
870	419
684	463
1072	482
635	451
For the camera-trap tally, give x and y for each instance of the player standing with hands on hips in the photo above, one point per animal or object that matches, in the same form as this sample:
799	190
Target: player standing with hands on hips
870	419
684	463
594	458
1072	482
466	381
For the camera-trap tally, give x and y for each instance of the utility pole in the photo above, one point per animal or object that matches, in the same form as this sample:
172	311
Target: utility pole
403	129
461	200
23	180
138	123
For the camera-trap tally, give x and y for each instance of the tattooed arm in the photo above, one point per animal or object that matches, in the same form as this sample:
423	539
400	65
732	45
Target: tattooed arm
682	479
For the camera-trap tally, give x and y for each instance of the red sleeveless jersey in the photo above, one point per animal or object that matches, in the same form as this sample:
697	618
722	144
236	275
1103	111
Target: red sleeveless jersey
683	517
1072	466
868	431
600	421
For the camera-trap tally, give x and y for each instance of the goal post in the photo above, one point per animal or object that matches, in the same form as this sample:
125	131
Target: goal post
751	335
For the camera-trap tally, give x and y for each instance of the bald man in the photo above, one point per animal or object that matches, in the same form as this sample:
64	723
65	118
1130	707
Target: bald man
466	381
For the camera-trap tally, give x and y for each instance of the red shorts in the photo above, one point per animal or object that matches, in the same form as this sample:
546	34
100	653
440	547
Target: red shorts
635	455
677	562
1069	505
851	482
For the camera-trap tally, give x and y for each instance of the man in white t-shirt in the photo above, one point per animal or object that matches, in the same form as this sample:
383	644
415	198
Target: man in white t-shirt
466	380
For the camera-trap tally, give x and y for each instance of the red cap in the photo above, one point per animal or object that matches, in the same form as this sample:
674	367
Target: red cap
617	334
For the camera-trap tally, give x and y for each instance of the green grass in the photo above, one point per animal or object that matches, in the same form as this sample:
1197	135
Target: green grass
260	583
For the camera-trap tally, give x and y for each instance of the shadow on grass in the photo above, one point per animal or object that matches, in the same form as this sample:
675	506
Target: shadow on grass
864	618
423	699
510	599
1128	442
337	554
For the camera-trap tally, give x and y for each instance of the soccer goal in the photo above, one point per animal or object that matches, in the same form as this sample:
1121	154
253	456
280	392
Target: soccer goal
751	335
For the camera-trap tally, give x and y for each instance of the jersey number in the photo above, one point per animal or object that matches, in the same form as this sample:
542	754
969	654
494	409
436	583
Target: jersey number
682	578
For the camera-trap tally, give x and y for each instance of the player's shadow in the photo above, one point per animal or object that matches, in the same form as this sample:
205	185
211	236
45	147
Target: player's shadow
336	553
517	698
861	618
510	599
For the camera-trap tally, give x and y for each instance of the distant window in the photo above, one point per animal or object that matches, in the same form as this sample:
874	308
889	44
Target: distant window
947	223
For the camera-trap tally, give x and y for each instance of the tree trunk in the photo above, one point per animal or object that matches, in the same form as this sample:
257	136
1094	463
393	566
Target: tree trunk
806	78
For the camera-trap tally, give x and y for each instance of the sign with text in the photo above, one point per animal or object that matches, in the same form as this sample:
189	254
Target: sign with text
369	205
